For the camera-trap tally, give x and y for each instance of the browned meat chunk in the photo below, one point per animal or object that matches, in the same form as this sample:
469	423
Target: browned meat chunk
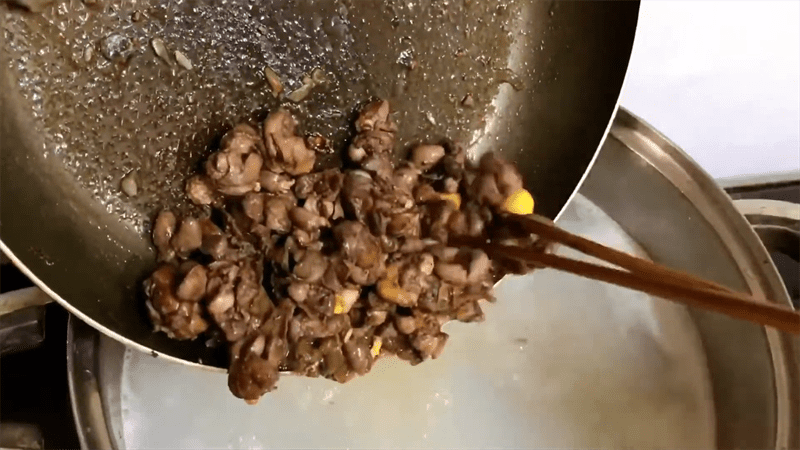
236	169
276	183
214	242
188	238
321	273
497	179
236	300
193	286
251	374
286	151
426	156
200	190
179	316
376	134
276	213
163	230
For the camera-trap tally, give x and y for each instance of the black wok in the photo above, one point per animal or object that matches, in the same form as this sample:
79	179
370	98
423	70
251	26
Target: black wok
86	101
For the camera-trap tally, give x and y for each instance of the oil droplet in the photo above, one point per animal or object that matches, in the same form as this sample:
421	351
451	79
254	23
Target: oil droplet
115	47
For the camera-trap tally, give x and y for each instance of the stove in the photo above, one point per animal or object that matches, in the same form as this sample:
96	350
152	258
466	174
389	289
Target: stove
784	189
35	410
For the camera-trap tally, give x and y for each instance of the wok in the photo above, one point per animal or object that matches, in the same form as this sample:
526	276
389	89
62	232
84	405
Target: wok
86	100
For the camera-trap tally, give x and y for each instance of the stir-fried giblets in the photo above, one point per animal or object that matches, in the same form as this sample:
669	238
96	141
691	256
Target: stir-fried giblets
320	273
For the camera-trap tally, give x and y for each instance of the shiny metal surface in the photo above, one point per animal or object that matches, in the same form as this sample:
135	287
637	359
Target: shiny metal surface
776	222
22	318
79	113
677	214
84	386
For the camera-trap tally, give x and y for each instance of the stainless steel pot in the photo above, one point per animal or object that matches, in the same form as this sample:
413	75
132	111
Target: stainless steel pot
679	217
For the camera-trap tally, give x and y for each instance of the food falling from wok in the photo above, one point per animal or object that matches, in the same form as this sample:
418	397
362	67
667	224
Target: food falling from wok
320	273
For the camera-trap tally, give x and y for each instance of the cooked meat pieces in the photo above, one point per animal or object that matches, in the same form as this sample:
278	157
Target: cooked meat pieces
496	180
173	307
163	230
236	299
254	366
326	185
256	359
188	238
276	183
306	327
358	194
361	250
236	169
276	212
376	135
426	156
286	151
251	376
200	190
430	345
253	206
193	286
321	273
214	241
357	353
306	219
311	267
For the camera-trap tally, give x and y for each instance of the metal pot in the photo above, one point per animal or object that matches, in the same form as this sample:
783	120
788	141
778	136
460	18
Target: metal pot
747	386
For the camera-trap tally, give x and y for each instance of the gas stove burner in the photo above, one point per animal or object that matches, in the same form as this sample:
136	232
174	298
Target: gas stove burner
772	205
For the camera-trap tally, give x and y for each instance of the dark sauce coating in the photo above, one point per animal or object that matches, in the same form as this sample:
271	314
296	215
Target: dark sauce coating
320	273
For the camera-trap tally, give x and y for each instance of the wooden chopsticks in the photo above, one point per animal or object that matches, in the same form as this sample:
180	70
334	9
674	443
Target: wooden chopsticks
638	274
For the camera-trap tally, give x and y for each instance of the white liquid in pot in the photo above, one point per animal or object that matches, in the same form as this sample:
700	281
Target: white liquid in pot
560	362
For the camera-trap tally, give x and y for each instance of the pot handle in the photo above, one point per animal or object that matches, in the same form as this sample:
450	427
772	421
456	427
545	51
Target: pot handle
22	314
776	222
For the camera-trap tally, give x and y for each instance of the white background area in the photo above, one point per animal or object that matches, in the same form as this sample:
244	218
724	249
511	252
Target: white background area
722	80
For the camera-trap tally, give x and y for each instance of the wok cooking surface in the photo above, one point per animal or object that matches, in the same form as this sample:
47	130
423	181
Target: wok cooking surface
95	93
109	105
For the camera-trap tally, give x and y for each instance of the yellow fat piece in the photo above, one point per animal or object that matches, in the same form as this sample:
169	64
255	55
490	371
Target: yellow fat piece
389	288
344	301
454	198
376	347
339	307
520	202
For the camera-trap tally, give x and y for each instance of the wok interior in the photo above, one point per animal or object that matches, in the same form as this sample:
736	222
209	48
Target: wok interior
87	101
